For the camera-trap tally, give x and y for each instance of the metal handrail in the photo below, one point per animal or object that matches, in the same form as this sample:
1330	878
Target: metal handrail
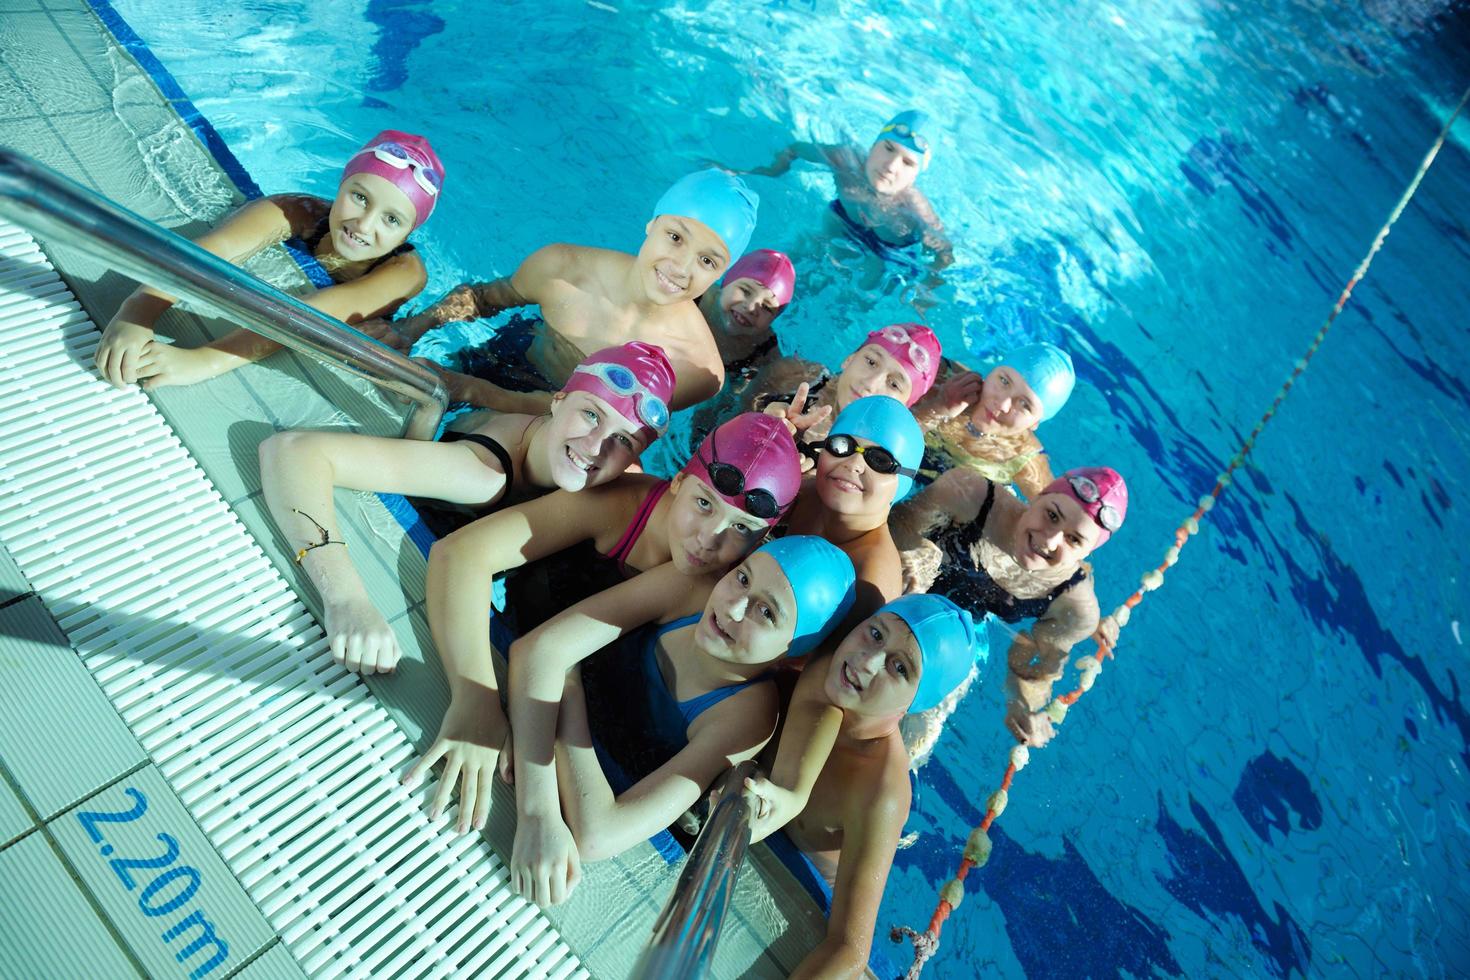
58	209
688	929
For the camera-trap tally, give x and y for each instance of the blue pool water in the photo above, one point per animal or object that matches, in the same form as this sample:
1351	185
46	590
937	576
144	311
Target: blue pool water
1270	779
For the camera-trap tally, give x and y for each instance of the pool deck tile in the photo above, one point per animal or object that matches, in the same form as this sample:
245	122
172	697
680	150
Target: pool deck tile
14	818
59	735
144	895
12	581
274	964
60	934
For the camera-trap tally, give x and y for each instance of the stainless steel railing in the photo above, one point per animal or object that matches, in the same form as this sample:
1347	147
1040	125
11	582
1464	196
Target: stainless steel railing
688	929
62	211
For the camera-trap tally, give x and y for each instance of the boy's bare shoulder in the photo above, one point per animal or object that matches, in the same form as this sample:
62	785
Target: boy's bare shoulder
575	263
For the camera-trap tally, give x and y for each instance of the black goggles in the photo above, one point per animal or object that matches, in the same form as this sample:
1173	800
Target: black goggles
879	460
729	481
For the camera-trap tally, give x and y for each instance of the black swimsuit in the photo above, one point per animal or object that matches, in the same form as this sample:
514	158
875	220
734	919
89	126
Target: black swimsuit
965	581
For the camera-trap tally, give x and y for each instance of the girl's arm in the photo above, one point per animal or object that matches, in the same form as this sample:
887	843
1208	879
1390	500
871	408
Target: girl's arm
461	567
810	152
1037	659
544	865
807	738
375	294
298	471
729	733
869	840
130	332
954	497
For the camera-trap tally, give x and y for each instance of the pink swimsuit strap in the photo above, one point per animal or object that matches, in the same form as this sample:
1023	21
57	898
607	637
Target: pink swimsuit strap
624	547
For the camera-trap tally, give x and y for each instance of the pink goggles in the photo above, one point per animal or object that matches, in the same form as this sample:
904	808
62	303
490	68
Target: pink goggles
915	347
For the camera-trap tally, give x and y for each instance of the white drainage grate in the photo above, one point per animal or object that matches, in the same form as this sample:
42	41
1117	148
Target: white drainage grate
284	759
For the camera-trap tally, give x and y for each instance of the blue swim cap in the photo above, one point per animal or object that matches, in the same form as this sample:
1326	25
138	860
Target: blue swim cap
1048	370
888	422
823	579
718	199
906	129
950	643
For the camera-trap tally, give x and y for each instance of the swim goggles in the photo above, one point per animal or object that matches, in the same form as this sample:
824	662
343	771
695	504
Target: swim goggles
904	131
1107	515
879	460
918	354
730	482
397	156
652	410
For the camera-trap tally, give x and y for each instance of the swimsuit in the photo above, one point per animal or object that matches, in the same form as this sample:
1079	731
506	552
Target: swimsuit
744	368
967	582
866	236
444	518
668	719
504	359
544	588
941	454
763	401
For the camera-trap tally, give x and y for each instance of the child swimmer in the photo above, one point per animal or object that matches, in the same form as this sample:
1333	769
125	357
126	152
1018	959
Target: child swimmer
997	435
877	202
709	703
613	408
839	781
388	189
591	298
738	484
755	291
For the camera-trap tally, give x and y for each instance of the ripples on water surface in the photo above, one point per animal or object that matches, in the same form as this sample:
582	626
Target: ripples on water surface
1270	779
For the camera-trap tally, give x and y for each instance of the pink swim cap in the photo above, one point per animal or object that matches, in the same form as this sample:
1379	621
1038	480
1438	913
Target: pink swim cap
768	267
636	379
1100	491
407	162
751	462
915	347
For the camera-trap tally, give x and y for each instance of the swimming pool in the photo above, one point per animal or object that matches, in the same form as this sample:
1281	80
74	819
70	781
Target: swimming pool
1270	778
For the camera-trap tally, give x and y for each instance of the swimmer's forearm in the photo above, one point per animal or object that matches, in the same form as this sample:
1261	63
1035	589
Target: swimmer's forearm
144	306
297	484
457	597
238	348
830	960
485	394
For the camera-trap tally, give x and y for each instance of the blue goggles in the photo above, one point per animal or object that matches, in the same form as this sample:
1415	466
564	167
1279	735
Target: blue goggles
652	410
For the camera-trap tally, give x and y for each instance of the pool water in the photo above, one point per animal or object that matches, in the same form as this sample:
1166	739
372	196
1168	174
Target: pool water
1270	779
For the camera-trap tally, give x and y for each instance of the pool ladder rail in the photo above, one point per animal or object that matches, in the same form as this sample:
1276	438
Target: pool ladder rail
61	211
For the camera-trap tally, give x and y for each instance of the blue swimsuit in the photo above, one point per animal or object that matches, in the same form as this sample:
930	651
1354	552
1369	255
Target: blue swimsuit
669	719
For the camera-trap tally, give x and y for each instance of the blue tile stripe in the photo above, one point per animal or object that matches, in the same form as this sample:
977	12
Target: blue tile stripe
134	45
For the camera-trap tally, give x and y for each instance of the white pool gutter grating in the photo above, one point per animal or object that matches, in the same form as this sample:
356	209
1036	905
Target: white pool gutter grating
285	760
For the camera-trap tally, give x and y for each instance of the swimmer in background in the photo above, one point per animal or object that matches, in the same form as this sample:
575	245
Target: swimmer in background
702	665
900	360
839	780
591	298
388	189
877	202
612	409
691	529
993	553
740	314
989	424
